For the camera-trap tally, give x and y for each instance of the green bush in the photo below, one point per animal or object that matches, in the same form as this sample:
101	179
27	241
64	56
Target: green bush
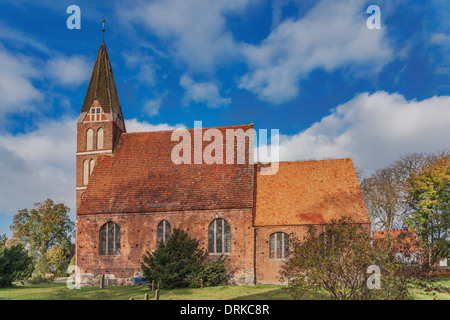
214	273
181	263
15	265
39	279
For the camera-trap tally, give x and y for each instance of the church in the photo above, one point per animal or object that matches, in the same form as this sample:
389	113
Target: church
131	195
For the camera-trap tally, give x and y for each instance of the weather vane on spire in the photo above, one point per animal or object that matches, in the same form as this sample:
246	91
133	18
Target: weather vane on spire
103	28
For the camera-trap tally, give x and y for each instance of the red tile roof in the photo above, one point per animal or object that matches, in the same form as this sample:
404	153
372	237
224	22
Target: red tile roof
309	192
141	177
403	240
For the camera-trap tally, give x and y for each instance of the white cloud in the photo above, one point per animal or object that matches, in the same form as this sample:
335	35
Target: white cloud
151	106
134	125
203	92
17	92
195	30
330	36
440	39
20	77
38	165
69	71
21	39
374	130
143	66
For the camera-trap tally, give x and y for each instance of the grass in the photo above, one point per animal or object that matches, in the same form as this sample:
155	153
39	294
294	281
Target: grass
59	291
441	291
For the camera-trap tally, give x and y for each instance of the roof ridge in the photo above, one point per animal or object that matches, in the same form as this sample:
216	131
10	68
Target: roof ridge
217	127
319	160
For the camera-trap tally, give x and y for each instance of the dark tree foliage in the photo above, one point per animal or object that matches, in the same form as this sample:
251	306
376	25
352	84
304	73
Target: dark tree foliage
15	265
175	261
213	273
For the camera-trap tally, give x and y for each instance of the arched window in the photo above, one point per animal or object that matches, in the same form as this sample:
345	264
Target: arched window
329	241
279	245
91	166
100	138
110	239
219	236
163	231
90	139
85	172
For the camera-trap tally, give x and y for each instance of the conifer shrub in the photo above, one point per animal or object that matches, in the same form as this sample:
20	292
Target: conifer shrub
180	262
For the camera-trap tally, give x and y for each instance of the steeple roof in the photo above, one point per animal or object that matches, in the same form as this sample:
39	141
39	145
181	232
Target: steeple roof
102	86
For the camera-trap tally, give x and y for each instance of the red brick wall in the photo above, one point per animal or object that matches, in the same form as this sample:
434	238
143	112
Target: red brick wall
267	270
111	134
138	235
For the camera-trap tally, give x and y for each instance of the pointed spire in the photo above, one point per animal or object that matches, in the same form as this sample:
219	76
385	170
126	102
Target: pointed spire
102	86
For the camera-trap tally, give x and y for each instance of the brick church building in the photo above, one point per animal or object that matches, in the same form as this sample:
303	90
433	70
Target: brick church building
131	195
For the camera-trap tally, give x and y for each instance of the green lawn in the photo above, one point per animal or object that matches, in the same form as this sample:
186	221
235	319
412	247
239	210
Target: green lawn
441	292
59	291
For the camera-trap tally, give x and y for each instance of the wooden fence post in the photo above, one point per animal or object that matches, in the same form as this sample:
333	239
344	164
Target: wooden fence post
102	281
153	285
146	296
157	294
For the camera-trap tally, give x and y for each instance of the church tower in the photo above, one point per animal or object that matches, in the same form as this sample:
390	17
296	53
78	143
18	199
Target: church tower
100	123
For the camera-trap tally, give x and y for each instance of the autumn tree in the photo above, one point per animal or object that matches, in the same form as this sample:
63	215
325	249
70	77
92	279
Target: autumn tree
337	262
44	226
58	258
429	192
386	191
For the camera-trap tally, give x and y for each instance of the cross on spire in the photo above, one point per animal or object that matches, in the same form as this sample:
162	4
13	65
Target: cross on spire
103	28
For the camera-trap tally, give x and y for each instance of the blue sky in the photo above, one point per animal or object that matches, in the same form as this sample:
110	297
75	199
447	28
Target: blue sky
311	69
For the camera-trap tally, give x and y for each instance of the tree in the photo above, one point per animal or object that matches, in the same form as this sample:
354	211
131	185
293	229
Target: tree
3	240
58	258
386	191
41	228
173	262
382	196
429	193
212	273
334	262
15	265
